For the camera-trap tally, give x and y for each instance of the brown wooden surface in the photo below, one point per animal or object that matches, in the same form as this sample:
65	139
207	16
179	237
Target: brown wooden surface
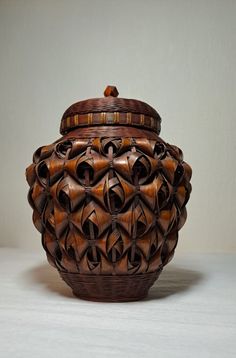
109	198
109	205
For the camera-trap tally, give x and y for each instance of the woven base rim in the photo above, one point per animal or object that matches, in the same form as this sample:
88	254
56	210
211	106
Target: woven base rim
107	299
110	288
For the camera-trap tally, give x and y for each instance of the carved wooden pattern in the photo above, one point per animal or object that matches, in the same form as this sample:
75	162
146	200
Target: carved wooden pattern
109	205
109	198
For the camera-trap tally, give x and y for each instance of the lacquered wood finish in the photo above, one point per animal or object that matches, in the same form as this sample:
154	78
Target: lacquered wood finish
109	202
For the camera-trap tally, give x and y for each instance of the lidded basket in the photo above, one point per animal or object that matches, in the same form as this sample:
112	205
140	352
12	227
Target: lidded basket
109	198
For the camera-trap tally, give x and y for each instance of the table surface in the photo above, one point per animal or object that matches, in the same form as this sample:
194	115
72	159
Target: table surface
190	312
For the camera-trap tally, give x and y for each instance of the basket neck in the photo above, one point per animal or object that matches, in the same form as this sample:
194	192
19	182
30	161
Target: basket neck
111	131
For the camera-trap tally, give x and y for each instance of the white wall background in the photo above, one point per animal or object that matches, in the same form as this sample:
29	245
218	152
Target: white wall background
179	56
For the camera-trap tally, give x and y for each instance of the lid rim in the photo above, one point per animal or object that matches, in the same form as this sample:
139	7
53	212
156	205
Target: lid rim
111	119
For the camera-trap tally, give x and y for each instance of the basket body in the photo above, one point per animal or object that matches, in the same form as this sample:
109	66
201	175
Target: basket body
109	202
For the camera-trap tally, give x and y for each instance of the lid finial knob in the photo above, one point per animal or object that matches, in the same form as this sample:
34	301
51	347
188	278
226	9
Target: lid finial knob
111	91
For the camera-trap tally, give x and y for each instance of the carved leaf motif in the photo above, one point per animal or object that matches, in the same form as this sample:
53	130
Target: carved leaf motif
109	205
70	194
48	171
60	220
43	152
120	145
138	216
149	192
91	214
167	219
144	145
30	174
169	166
38	197
78	242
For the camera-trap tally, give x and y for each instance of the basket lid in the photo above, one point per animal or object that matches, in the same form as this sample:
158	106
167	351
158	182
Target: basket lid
110	110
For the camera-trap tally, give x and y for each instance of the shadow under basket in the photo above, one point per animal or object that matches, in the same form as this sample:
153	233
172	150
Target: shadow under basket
108	288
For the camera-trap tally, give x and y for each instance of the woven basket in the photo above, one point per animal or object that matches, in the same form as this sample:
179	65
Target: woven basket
109	198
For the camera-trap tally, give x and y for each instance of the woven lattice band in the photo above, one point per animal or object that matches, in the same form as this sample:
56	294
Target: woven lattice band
111	104
110	118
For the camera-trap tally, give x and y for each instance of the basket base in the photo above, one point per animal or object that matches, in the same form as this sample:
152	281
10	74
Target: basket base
116	288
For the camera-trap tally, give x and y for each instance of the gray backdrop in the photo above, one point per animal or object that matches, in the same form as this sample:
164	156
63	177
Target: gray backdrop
179	56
